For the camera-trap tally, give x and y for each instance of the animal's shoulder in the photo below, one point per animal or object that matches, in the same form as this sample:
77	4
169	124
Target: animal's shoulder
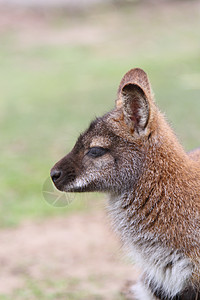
195	154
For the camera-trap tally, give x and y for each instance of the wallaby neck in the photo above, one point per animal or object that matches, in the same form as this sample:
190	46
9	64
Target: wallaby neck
162	203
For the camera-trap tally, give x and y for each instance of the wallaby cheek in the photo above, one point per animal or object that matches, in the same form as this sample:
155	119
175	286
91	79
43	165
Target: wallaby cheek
98	170
97	164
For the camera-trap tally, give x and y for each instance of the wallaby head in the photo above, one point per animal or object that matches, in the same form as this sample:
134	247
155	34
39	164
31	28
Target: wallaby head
109	155
154	186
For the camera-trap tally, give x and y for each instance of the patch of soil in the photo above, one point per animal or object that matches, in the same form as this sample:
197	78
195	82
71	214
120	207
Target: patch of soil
80	246
35	27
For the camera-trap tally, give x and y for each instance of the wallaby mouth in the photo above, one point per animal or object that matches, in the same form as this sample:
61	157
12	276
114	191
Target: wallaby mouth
63	180
66	181
63	174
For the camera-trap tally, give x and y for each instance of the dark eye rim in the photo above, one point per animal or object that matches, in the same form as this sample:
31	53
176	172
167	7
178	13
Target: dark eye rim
97	152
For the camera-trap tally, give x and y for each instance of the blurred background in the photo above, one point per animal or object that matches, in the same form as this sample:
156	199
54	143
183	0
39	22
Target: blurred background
61	62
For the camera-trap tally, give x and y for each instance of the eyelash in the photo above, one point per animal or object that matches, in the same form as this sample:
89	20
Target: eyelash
96	152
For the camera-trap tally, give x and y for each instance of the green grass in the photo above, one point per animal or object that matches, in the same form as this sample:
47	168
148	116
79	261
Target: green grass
49	93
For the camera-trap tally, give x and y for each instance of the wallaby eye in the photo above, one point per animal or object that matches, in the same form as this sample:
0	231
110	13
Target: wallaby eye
96	151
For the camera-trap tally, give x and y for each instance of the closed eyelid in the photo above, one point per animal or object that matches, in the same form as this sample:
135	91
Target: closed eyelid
103	148
96	152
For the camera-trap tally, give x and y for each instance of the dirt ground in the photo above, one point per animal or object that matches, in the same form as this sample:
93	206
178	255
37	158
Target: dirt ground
54	3
34	27
80	247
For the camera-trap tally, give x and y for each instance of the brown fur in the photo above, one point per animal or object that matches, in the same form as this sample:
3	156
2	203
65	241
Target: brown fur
144	166
195	155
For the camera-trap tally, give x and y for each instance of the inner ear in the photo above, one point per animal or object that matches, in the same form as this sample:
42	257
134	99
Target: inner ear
135	107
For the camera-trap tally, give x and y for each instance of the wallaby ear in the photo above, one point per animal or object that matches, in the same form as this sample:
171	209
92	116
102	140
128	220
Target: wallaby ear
134	97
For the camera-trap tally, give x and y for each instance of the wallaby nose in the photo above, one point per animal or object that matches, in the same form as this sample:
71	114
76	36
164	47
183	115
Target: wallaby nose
55	174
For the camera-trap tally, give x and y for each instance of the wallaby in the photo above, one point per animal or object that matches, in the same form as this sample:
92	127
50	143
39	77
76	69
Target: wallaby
132	154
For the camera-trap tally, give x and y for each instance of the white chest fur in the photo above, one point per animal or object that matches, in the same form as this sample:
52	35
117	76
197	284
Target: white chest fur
165	269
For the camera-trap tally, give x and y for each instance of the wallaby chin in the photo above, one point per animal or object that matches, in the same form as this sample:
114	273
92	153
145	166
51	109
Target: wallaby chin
154	186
